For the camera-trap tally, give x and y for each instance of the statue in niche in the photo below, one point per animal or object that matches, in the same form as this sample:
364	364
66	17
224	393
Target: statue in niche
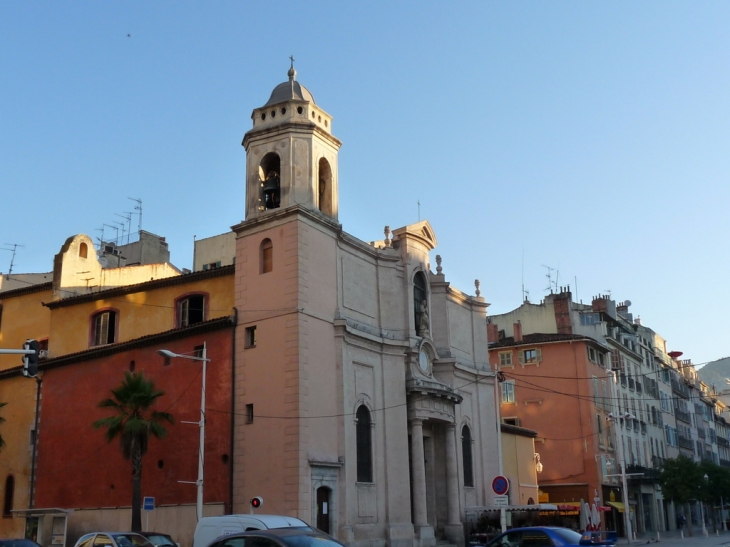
272	190
423	323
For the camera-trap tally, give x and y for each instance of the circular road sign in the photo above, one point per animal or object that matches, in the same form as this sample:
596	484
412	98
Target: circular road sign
500	485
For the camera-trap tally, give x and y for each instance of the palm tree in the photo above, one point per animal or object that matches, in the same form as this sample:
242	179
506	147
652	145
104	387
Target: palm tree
2	441
133	423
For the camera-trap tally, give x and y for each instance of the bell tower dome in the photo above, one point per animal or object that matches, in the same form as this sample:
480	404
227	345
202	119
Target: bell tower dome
291	154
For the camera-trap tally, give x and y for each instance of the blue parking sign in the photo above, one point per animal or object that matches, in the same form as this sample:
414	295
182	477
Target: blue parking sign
148	504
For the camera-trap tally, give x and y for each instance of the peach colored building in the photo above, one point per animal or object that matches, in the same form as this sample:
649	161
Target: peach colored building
556	385
364	396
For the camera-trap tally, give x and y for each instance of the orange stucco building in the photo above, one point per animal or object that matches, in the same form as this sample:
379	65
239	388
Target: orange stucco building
556	385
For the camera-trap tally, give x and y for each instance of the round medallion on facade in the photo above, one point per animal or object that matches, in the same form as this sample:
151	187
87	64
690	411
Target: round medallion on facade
424	362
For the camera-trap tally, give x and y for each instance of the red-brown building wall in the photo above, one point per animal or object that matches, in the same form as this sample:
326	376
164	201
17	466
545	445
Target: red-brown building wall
78	468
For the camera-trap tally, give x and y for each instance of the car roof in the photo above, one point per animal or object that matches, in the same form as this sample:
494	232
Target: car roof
281	532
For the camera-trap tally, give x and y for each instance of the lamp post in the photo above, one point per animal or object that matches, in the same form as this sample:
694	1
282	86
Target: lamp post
201	452
702	512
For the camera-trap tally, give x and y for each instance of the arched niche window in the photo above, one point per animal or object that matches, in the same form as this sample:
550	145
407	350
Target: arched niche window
364	437
270	175
420	304
83	250
266	258
467	456
104	327
325	187
9	494
190	310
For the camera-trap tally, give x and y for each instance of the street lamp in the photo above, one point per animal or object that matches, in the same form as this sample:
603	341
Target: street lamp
168	355
702	512
624	486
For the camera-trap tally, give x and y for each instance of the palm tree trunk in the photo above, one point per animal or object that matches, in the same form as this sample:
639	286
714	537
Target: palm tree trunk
137	490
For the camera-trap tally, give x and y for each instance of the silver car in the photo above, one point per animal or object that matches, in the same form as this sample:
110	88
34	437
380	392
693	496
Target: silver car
113	539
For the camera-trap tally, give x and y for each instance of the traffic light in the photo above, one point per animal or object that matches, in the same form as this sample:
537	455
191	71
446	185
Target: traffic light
30	361
257	502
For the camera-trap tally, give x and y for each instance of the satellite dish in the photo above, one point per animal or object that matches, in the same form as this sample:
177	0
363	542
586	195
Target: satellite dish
627	302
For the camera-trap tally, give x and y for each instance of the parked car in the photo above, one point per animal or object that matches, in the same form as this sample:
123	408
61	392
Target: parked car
536	536
158	539
18	543
279	537
211	528
113	539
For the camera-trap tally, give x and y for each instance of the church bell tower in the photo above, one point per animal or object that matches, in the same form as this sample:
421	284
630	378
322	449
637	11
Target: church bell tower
291	154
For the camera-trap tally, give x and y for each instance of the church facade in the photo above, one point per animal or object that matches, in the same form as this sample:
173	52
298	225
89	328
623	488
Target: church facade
364	399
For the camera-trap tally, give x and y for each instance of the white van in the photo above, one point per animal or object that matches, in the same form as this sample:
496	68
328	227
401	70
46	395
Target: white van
211	528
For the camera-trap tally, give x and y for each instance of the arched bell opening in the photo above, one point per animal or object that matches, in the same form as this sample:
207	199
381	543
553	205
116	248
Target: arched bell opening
324	190
270	176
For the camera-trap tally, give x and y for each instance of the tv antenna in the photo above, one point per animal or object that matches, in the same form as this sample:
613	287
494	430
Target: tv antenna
128	217
13	250
138	208
549	276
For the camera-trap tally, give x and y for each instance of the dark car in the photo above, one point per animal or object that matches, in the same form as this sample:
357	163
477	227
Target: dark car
159	540
18	543
277	537
536	536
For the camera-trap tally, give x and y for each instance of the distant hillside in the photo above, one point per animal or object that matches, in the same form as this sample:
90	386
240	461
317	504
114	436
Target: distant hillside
716	373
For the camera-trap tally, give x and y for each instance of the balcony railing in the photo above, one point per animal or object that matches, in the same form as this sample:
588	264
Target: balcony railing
723	442
680	388
684	442
681	415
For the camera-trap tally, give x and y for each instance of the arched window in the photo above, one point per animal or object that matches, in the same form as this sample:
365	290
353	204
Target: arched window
420	304
9	493
191	310
364	434
266	258
325	187
466	456
83	250
104	328
270	175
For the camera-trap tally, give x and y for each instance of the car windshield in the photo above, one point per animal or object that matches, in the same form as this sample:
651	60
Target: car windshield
569	536
131	540
305	540
159	539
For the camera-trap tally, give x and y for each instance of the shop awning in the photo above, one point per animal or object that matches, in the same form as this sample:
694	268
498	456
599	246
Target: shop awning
618	505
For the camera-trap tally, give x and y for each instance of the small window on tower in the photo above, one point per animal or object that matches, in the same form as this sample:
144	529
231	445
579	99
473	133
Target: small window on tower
267	256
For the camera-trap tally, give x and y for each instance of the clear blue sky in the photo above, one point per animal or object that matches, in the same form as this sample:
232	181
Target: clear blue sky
590	137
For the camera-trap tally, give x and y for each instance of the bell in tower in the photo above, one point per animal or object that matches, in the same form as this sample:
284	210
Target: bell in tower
291	154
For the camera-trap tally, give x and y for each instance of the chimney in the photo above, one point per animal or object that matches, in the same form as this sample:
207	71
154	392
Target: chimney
492	333
518	332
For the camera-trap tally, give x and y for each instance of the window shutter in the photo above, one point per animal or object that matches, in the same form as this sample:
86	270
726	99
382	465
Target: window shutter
538	355
522	357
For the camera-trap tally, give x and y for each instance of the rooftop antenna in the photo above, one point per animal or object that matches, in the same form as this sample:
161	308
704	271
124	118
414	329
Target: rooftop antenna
116	229
101	238
128	217
549	276
121	241
13	250
524	292
138	208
